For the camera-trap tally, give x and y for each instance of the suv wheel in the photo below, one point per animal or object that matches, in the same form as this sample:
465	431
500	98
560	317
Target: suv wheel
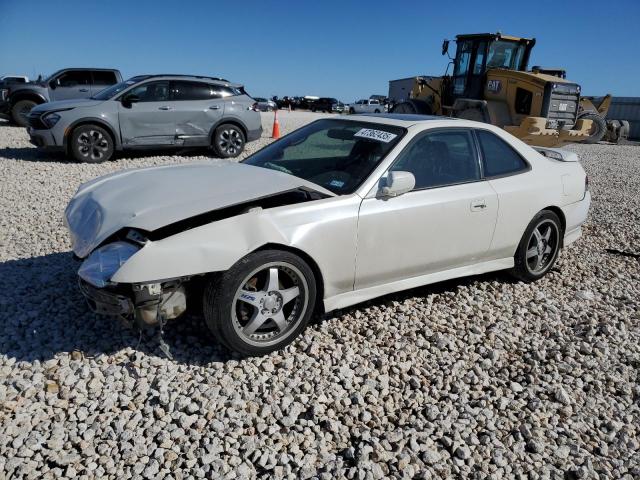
228	141
20	112
92	144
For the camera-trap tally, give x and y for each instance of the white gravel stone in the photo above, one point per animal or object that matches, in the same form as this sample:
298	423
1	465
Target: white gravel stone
481	377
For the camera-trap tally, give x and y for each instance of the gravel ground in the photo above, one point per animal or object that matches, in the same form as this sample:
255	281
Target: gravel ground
481	377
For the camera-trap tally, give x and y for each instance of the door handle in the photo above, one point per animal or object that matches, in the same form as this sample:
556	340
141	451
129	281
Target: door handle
214	107
165	108
478	205
83	90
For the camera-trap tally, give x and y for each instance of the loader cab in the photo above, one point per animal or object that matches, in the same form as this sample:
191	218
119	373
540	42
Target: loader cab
477	53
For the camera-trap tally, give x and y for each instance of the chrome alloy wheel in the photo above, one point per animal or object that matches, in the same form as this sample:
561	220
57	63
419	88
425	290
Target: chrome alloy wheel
542	247
230	141
93	144
270	303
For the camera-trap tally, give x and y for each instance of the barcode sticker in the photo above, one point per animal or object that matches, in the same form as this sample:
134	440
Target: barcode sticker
379	135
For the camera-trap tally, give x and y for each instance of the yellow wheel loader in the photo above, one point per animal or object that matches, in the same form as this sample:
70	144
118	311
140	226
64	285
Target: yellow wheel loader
490	83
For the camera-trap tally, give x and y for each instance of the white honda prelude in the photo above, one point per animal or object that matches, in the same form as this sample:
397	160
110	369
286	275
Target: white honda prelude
340	211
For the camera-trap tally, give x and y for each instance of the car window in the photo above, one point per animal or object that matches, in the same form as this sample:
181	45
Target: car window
375	102
335	154
72	79
104	78
498	158
151	91
440	158
183	91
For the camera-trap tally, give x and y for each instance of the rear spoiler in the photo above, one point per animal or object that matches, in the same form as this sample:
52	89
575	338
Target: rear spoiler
559	154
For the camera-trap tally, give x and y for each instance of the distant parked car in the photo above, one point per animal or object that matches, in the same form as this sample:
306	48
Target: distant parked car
17	99
366	106
265	105
325	104
149	111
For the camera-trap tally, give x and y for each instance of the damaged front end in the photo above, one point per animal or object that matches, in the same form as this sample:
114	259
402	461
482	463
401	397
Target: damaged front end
142	304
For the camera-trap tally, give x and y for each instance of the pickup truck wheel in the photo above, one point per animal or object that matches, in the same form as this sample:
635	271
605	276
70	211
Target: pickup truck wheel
20	112
261	303
228	141
376	111
91	144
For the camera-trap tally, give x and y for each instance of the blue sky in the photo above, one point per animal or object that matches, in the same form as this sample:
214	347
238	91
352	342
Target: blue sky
345	49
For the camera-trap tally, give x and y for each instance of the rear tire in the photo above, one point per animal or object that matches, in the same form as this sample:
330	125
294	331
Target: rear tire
598	128
228	141
20	112
539	247
261	303
91	144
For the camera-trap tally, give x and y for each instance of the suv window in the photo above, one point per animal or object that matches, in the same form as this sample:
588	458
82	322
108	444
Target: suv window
72	79
151	91
498	157
182	91
104	78
440	158
374	102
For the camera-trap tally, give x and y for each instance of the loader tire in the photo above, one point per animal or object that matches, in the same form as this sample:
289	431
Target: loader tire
474	114
598	128
413	107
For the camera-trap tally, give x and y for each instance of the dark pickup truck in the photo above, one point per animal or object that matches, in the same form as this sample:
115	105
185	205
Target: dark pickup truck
17	99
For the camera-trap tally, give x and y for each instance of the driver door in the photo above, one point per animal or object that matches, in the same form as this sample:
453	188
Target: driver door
446	221
71	85
150	120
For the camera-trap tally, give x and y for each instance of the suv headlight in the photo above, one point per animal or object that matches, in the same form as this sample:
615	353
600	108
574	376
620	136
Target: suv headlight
50	119
104	262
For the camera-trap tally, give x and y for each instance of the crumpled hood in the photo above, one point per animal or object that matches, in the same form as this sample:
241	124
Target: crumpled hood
150	198
65	104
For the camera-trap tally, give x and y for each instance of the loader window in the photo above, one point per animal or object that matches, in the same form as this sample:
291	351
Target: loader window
463	58
505	54
478	65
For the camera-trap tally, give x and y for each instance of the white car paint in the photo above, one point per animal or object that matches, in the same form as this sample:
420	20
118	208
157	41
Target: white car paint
363	245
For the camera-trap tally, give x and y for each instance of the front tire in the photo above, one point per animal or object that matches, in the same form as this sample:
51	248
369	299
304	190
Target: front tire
91	144
20	112
539	247
262	303
228	141
598	127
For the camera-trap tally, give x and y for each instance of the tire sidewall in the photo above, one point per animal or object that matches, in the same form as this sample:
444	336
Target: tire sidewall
15	116
520	269
600	124
216	135
74	144
220	292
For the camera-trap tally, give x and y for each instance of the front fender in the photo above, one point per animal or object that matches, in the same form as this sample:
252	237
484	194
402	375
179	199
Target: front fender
213	247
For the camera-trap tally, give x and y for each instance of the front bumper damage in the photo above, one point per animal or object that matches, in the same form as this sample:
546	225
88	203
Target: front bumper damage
139	304
534	131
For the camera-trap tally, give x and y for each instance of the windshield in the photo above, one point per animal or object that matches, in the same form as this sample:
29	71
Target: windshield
113	90
338	155
505	54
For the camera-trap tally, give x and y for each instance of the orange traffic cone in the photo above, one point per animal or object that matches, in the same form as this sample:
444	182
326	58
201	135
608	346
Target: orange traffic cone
276	126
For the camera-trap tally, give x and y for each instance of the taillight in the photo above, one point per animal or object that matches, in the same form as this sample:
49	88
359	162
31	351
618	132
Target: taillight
254	107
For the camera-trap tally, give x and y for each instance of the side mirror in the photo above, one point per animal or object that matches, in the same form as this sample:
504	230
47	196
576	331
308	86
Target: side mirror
398	183
53	84
445	47
129	100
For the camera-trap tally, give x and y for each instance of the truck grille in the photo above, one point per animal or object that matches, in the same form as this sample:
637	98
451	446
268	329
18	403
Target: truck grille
35	122
561	104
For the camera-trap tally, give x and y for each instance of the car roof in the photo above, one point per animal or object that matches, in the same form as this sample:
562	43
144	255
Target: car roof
178	76
400	119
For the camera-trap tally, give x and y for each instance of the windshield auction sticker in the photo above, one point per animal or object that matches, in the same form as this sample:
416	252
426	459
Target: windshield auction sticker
379	135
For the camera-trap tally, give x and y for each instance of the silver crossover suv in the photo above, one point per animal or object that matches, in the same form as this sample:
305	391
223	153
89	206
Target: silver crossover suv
149	111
